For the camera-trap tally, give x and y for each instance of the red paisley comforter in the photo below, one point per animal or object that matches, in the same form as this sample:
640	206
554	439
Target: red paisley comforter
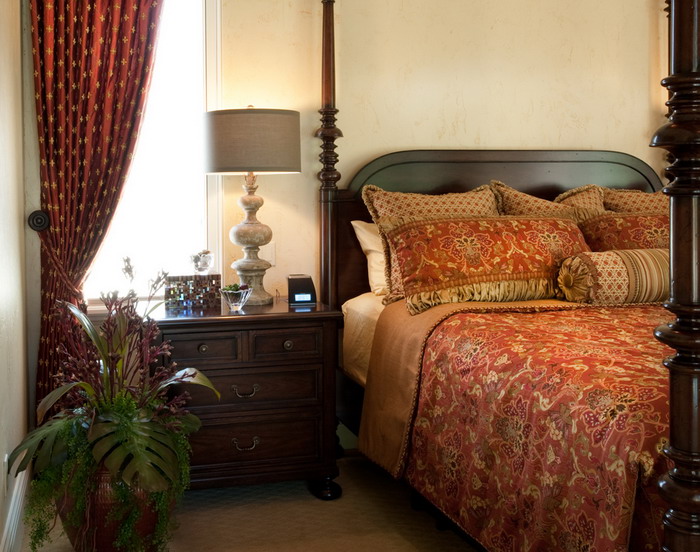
543	430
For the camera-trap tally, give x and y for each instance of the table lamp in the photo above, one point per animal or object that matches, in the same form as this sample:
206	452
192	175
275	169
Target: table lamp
250	142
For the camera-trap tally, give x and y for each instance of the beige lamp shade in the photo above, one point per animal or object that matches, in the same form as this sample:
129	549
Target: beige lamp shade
240	141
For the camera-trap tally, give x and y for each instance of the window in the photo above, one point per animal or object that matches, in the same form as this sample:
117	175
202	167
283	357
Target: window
161	219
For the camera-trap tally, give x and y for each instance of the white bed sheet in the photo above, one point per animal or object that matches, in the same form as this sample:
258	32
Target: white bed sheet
361	315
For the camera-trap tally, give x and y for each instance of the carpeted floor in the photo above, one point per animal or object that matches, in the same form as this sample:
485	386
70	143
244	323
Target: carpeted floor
374	514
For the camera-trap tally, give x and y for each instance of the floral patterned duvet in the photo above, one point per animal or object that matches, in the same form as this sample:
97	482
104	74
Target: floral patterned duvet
533	436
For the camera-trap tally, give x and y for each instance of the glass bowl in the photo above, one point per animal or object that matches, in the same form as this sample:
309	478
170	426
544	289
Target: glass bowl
236	299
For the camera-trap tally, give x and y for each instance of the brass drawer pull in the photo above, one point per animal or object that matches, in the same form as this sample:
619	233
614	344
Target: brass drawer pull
256	442
288	345
256	388
203	348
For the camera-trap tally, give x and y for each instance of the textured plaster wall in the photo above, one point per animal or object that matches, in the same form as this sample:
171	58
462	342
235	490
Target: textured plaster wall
551	74
13	361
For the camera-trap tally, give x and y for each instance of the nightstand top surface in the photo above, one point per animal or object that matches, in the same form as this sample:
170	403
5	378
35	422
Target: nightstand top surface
280	308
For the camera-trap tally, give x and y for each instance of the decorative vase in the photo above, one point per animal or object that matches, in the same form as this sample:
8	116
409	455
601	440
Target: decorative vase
203	261
97	531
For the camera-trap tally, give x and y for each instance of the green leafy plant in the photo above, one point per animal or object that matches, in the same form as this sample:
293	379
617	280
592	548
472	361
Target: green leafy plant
235	287
115	408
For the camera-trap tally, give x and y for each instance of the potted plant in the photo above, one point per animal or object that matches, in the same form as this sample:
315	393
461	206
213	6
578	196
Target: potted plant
236	296
114	457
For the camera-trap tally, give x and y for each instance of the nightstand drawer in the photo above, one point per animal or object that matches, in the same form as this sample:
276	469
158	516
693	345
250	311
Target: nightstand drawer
200	349
259	387
254	441
275	369
279	345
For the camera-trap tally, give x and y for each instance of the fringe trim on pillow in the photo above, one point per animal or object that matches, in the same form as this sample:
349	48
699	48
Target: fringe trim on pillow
579	190
509	290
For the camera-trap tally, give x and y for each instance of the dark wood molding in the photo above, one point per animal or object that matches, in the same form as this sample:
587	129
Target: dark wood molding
329	176
681	138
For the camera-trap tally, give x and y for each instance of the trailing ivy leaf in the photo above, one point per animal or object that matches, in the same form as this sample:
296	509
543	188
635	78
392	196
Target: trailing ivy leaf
190	423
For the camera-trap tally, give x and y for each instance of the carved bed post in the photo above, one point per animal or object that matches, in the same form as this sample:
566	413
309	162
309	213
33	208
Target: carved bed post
681	137
328	175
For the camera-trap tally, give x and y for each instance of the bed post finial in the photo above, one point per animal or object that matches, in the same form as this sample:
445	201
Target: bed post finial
328	175
681	137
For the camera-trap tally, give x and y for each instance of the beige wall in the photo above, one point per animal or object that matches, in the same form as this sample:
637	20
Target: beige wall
411	74
558	74
13	358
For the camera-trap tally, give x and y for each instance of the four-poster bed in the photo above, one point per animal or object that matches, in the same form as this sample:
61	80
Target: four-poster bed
547	175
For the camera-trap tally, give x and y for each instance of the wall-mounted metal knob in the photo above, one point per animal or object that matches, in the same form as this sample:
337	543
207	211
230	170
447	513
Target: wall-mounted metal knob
38	220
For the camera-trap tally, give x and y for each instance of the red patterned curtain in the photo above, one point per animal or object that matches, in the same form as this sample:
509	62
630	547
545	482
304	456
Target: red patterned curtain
92	67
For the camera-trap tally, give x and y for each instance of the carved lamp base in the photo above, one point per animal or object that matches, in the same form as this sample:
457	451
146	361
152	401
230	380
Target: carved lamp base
251	272
251	234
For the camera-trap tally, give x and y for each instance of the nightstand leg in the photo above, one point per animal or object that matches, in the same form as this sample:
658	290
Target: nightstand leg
325	489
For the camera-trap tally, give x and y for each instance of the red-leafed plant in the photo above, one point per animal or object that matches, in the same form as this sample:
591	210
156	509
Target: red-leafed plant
115	410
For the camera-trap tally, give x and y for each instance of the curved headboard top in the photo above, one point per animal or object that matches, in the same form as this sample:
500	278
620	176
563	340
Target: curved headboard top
543	173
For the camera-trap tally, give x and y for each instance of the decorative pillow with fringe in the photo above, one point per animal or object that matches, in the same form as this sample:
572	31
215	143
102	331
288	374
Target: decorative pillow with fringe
579	204
635	201
479	202
450	260
616	277
626	231
587	201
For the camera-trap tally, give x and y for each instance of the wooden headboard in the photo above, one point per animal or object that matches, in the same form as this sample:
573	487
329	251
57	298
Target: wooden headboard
544	173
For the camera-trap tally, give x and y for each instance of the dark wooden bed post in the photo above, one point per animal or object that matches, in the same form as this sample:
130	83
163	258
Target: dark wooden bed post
681	137
328	175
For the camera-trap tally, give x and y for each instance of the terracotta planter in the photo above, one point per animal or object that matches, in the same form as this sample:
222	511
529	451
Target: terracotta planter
97	533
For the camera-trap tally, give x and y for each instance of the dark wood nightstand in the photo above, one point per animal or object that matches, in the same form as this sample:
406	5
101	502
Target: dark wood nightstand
274	367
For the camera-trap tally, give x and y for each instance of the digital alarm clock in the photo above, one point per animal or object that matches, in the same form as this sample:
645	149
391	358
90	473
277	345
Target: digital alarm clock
301	290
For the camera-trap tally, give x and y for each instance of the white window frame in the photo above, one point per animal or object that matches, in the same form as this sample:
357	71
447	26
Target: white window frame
213	183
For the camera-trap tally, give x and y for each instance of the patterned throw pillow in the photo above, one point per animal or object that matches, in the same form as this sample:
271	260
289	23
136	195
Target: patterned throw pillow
449	260
635	201
626	231
616	277
588	201
479	202
515	202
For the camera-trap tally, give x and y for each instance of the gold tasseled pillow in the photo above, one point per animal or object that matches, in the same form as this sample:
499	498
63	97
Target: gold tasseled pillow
479	202
616	277
449	260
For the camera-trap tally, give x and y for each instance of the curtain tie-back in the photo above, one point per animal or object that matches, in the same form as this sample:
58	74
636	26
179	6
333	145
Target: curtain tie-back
60	269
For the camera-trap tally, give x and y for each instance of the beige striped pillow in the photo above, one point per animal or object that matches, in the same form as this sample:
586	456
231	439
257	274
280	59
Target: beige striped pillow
616	277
